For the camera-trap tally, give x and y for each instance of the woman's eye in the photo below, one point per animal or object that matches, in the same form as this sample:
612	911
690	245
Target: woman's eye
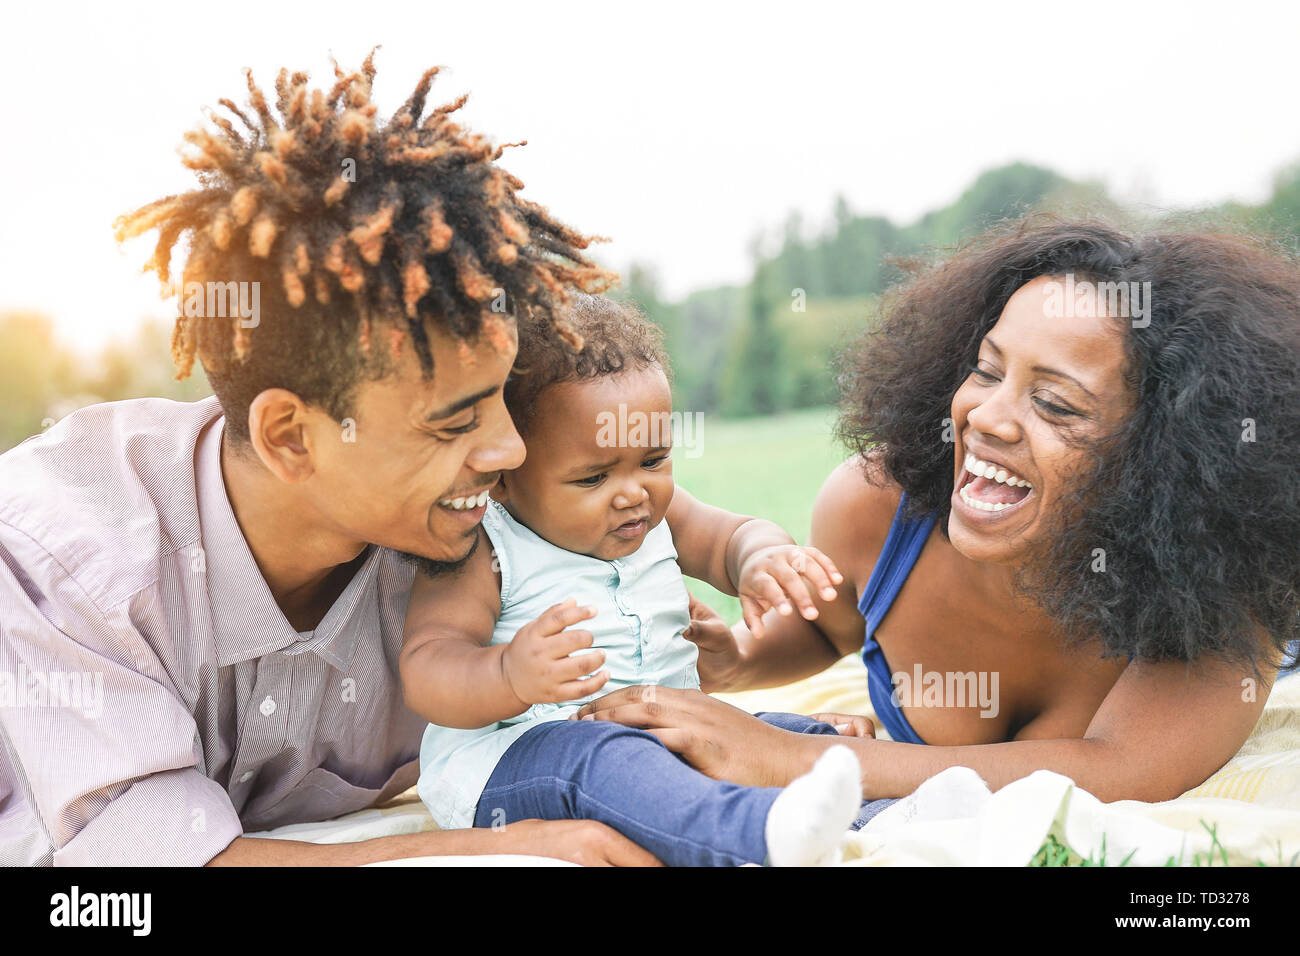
1060	411
983	376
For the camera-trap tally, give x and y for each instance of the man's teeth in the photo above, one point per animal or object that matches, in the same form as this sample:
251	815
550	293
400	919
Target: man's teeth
464	504
1000	475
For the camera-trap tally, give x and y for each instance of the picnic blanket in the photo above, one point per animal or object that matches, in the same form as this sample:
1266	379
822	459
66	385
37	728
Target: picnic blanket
1247	813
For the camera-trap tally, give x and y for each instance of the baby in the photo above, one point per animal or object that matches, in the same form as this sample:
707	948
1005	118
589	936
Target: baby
589	532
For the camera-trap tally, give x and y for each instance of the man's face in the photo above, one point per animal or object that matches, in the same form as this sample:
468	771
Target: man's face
417	447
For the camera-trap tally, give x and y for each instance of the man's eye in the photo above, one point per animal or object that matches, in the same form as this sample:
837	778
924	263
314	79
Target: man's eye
463	429
591	481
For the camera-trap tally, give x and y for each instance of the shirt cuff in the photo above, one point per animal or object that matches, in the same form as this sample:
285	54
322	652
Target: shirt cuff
172	818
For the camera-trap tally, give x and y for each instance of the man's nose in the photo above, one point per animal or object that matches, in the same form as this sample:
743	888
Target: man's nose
500	449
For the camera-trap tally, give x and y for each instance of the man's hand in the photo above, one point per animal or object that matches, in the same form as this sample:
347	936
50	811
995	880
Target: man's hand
536	664
848	725
720	661
774	576
579	841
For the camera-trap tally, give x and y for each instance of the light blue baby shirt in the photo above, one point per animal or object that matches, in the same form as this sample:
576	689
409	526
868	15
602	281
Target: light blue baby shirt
641	611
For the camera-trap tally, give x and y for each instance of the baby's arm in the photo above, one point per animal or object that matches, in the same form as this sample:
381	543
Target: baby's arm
453	677
754	558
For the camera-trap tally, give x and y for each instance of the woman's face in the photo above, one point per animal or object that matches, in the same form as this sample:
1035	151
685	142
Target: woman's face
1041	381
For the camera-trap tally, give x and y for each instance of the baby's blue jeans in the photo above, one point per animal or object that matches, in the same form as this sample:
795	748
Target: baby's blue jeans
624	777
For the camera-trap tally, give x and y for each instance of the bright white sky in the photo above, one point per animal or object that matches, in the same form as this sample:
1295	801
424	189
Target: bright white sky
678	129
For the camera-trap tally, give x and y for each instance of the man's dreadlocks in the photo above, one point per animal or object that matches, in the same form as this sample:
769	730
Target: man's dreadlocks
354	231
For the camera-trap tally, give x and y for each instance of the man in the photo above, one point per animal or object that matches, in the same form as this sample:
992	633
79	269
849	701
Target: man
201	606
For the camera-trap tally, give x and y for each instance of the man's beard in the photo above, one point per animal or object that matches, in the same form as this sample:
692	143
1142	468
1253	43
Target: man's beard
431	568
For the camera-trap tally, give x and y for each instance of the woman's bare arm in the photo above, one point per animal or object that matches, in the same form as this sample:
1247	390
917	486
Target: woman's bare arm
1162	729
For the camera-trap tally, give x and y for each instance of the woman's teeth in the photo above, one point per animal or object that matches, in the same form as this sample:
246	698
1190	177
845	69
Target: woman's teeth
984	472
982	469
465	504
981	505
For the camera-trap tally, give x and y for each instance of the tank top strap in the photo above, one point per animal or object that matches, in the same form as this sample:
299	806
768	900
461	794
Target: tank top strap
903	545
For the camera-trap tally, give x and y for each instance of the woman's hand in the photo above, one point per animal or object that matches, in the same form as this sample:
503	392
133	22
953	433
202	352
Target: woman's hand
715	738
720	661
774	577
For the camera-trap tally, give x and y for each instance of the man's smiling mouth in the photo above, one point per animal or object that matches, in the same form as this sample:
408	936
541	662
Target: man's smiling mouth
465	503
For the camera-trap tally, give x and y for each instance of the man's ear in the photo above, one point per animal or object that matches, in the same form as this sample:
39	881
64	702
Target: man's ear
277	428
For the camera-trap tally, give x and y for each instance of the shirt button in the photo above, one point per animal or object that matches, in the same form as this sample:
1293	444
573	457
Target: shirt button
246	776
267	708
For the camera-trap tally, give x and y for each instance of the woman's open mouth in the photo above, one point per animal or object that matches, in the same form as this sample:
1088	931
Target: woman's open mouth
990	488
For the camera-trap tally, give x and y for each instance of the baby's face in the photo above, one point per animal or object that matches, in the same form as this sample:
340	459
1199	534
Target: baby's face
588	485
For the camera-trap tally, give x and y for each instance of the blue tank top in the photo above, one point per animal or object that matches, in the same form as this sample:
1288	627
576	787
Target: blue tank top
903	545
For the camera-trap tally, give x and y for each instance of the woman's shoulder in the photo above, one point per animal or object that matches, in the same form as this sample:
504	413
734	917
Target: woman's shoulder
857	498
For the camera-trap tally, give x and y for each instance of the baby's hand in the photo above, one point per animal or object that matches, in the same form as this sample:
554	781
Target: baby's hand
537	665
771	578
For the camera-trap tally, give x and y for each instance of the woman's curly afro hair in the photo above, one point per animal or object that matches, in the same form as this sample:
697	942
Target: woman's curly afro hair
1195	499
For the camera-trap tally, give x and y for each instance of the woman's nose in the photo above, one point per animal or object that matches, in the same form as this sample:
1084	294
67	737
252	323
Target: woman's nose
996	415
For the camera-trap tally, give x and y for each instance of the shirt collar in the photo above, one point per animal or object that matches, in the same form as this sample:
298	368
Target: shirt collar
246	621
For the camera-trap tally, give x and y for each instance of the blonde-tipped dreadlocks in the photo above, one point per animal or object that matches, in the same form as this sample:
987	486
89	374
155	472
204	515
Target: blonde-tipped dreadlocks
357	233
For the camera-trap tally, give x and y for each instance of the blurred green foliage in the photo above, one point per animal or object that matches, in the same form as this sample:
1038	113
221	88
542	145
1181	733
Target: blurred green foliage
41	380
766	347
756	349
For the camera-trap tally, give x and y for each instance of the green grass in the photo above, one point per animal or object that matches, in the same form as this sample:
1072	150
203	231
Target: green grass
766	467
1055	853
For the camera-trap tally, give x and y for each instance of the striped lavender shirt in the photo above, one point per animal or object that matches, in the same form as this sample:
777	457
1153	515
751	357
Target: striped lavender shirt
154	701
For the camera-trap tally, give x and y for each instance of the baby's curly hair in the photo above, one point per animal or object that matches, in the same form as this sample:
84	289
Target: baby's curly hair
1195	499
614	336
360	234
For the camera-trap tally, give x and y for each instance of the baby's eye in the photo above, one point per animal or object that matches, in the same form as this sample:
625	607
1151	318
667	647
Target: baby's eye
591	481
655	462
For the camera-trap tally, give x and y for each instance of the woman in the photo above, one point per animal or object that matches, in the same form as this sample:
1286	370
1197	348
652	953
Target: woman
1078	477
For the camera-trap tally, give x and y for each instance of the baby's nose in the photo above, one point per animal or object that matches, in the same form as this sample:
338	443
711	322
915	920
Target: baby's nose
631	497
